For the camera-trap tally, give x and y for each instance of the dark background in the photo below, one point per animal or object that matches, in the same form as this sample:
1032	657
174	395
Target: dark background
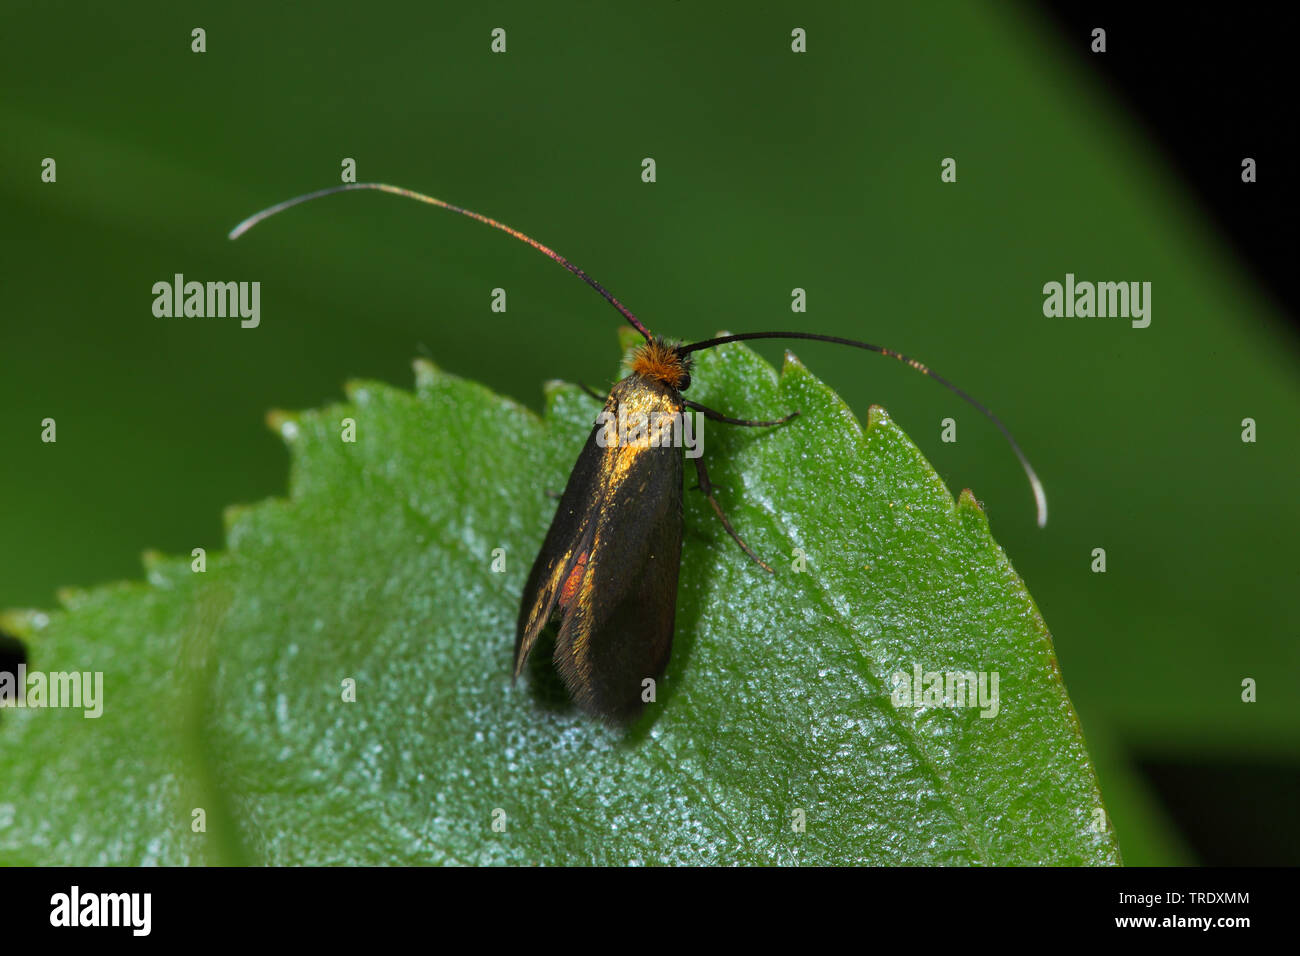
774	171
1209	86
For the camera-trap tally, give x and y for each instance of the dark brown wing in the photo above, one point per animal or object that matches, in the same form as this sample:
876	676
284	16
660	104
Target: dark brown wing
609	564
570	534
618	628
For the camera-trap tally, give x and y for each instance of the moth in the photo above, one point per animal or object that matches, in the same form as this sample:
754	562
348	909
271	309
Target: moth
607	569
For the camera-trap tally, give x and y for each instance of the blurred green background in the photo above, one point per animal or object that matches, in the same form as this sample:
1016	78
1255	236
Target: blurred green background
775	170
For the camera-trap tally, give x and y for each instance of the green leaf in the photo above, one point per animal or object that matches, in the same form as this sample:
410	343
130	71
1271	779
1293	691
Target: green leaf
224	689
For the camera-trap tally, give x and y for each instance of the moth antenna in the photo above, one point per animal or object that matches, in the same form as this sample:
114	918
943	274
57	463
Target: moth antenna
1040	497
270	211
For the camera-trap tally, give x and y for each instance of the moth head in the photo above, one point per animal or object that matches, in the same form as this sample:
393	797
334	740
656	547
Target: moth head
663	362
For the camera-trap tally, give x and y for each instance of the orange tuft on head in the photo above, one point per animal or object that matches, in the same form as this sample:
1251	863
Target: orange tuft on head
662	362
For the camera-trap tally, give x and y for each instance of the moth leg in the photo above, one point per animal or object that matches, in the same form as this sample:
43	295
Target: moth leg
706	487
719	417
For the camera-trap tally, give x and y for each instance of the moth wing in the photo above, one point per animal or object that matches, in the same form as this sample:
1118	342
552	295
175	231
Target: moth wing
568	538
618	628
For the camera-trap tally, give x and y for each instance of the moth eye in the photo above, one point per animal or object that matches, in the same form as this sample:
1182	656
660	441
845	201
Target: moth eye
685	382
